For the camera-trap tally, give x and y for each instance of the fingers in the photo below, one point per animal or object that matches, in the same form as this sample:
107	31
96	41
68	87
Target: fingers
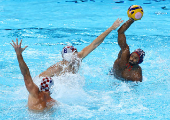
14	43
25	47
120	20
17	41
20	43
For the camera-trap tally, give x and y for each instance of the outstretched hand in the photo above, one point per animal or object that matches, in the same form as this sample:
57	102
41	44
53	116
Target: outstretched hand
17	46
116	23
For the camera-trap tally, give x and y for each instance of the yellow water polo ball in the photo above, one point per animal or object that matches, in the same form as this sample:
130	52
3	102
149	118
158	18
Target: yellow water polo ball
135	12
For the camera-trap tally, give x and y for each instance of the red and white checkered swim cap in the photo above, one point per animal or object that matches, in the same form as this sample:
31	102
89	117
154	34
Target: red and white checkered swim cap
68	49
46	84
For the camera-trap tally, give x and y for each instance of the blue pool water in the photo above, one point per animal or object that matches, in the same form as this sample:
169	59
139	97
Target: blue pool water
47	26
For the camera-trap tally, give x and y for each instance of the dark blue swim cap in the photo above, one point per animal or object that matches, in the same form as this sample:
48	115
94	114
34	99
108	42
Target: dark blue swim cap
141	55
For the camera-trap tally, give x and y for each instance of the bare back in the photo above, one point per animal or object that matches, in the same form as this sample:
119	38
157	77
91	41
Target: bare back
61	68
44	101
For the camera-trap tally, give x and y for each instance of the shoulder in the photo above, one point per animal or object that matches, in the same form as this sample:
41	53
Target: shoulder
138	74
57	65
125	53
123	57
34	99
139	70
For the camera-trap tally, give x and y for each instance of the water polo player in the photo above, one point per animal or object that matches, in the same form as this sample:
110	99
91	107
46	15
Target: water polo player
39	98
126	65
72	58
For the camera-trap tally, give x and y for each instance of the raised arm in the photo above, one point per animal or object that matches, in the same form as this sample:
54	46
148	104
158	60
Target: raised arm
99	40
121	36
30	85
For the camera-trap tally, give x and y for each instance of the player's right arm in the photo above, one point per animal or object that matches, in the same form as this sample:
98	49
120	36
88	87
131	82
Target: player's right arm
124	53
121	34
30	85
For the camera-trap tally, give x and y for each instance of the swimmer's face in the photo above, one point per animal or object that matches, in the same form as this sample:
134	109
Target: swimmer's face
134	59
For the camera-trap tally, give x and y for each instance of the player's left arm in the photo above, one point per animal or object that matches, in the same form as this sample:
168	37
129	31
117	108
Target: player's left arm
99	40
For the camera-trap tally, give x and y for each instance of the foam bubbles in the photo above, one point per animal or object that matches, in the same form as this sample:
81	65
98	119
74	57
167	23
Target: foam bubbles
68	88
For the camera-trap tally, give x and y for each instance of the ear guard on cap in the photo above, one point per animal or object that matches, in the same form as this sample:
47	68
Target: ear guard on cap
141	55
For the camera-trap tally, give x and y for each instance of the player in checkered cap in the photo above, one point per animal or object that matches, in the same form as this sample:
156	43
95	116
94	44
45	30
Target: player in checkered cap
46	84
72	58
39	99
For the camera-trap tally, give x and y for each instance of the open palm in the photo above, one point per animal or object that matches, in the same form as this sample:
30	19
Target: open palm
17	46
